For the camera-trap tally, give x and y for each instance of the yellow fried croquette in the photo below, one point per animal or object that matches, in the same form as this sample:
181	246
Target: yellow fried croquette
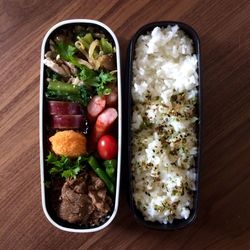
68	143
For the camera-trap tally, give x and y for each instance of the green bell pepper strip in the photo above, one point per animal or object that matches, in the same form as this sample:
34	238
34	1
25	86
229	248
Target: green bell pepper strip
102	175
106	46
86	40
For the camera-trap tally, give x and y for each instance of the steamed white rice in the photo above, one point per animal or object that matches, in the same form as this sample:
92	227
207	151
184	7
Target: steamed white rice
164	143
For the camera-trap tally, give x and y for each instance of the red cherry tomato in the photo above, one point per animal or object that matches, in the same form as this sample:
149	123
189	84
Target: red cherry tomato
107	147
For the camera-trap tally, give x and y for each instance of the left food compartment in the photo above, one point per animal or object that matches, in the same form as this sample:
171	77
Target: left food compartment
80	125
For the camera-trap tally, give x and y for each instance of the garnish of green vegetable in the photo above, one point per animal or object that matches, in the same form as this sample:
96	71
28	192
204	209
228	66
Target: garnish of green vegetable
105	78
86	40
99	81
110	168
85	95
101	174
88	76
58	90
67	52
106	46
64	166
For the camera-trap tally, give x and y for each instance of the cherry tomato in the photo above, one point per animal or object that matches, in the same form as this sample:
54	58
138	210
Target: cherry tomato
107	147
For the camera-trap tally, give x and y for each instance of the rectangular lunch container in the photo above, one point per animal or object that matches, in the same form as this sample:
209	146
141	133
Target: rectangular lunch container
177	223
42	122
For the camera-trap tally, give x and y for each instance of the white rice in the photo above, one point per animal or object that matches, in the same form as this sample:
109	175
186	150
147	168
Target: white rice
164	143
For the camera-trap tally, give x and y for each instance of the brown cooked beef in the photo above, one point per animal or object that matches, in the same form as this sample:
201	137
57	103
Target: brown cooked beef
101	201
84	200
76	206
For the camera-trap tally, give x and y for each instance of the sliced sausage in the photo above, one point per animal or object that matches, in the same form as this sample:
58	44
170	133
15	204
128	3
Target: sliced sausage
95	107
104	121
112	98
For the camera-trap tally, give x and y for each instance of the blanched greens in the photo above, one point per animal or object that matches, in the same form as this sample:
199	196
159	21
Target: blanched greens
67	52
64	166
59	90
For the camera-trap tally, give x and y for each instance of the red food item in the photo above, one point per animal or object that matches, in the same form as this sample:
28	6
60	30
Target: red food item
107	147
64	108
67	121
112	98
95	107
103	122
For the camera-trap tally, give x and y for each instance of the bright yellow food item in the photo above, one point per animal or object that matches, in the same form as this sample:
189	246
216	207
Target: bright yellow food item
68	143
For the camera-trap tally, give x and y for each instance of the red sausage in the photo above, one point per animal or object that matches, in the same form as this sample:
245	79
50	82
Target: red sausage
103	123
95	107
112	98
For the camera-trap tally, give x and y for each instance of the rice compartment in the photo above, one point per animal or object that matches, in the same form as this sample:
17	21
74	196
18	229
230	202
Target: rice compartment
164	140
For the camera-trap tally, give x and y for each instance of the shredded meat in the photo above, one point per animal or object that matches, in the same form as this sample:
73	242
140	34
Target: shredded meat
56	67
72	68
102	202
84	200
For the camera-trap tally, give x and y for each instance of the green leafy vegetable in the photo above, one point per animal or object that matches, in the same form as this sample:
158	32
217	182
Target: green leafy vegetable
64	166
99	81
106	46
105	78
67	52
85	95
88	76
101	89
86	40
71	172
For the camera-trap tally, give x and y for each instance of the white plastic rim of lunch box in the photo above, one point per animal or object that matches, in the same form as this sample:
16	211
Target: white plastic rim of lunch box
58	25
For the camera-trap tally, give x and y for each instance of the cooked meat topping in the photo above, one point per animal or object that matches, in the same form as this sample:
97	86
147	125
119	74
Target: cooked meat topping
102	202
84	200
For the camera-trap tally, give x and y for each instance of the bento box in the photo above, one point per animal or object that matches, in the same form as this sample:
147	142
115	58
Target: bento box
80	125
164	125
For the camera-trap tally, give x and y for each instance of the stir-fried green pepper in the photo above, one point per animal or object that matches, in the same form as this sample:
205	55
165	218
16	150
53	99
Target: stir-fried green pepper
106	46
102	175
110	168
86	40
